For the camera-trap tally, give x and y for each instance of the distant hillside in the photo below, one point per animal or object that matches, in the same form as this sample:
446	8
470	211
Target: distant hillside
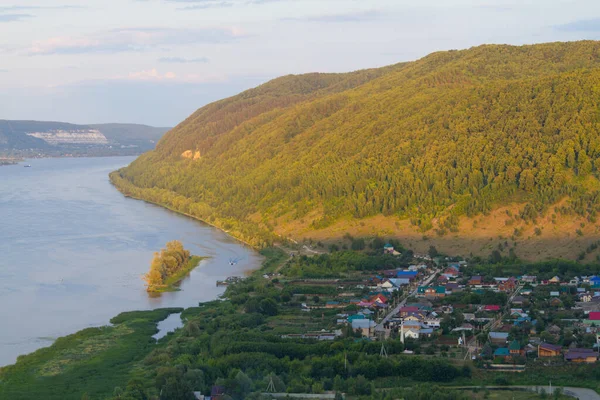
49	136
420	150
131	134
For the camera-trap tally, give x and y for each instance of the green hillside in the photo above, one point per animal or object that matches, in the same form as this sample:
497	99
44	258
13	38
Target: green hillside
453	135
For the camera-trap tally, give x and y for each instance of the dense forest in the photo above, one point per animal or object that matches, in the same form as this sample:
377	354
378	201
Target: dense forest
457	133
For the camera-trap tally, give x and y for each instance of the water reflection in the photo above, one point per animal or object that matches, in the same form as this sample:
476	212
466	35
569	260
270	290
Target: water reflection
74	250
170	324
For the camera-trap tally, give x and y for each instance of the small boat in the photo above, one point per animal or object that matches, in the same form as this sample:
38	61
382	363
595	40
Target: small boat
27	165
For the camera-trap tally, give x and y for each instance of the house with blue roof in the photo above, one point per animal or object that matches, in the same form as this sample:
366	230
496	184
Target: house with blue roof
502	352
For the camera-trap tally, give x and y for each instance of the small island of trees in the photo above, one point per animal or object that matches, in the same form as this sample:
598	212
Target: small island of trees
169	266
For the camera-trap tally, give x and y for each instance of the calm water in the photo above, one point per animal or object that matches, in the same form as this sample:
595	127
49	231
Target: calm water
73	250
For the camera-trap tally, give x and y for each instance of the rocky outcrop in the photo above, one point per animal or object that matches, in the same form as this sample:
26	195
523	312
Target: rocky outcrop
85	136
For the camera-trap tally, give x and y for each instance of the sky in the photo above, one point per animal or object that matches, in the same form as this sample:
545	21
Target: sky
157	61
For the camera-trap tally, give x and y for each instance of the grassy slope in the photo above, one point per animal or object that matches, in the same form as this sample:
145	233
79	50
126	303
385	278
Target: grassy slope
302	150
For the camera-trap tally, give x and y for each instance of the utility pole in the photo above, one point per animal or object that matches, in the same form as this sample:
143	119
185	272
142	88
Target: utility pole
383	352
346	361
271	387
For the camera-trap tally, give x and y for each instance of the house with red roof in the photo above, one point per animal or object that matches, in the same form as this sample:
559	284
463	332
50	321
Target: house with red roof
451	272
491	308
381	299
508	285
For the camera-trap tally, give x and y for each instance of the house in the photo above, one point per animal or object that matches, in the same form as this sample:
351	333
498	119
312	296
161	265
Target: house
464	327
594	316
355	317
365	326
199	396
381	299
397	282
452	287
414	330
410	275
388	285
556	302
469	316
476	280
432	322
388	249
451	273
407	310
554	280
498	338
502	352
442	280
519	300
414	317
586	297
554	330
217	392
554	294
549	350
515	348
574	282
410	329
594	280
581	356
333	304
435	291
529	279
508	286
491	308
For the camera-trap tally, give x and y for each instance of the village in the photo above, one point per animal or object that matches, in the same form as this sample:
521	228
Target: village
439	306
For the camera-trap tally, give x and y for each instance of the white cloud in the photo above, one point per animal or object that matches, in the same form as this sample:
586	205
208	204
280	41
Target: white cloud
151	75
133	39
155	75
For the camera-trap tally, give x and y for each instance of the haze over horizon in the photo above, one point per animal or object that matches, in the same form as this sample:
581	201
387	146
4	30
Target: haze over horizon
156	61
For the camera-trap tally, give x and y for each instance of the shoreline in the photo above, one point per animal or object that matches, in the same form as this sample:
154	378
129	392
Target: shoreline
116	319
255	248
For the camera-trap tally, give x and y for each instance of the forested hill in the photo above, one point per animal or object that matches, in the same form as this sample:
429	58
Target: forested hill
494	142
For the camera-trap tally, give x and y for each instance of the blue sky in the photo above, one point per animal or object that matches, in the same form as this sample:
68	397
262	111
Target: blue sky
156	61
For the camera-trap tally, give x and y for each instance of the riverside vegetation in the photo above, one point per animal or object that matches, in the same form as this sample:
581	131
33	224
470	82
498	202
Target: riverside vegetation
169	267
236	344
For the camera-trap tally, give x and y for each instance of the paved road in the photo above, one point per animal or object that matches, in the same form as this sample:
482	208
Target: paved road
578	393
391	314
472	343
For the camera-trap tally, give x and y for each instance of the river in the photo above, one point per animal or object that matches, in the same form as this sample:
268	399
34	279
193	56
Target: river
73	249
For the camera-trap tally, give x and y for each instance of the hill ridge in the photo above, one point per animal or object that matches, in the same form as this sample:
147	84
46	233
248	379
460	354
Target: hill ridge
450	136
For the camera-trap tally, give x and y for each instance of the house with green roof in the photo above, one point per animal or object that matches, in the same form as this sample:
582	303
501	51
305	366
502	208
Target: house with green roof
515	348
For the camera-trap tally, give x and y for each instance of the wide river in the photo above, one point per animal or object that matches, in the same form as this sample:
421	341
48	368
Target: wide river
73	249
